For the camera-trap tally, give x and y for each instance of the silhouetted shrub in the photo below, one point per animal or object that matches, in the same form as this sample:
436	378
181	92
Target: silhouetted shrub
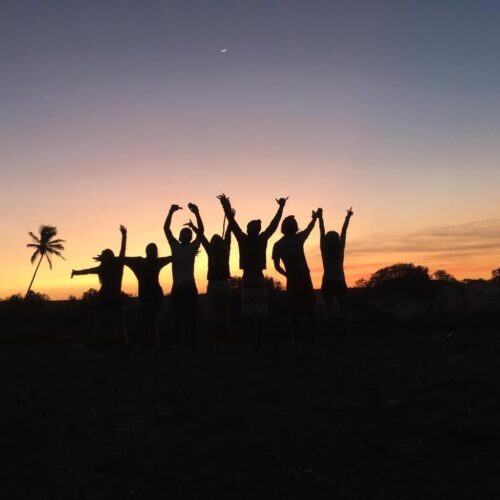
403	280
495	275
442	275
36	298
14	299
90	294
361	283
273	285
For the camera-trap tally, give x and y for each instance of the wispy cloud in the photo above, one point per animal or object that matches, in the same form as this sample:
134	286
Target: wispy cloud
475	239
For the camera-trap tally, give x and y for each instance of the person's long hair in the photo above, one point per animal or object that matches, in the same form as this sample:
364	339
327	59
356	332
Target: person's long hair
332	245
218	249
107	267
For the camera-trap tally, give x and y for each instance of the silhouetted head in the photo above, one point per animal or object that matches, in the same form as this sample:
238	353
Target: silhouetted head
332	242
106	256
186	235
151	251
289	225
217	243
254	227
107	268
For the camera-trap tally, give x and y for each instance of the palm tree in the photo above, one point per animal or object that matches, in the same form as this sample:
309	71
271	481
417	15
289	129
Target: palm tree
45	246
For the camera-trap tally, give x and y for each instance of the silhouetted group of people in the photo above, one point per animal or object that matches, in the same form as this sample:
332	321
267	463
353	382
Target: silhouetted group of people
289	260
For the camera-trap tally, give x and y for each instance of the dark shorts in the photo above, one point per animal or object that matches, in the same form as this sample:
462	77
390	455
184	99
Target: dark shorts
332	289
184	299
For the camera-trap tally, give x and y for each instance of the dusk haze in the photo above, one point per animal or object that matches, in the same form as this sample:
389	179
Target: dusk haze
111	111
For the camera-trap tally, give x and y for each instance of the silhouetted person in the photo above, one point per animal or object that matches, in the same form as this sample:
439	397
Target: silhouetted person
334	287
218	290
252	247
184	295
109	327
147	271
299	288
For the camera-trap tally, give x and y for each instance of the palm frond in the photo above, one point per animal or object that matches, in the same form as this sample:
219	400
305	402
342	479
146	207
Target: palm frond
50	261
34	236
56	252
33	245
57	242
34	256
51	247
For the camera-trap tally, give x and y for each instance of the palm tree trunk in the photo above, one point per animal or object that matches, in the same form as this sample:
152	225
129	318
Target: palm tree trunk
34	274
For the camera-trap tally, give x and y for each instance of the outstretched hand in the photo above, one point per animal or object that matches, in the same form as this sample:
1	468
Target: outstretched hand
281	201
350	213
174	208
315	214
190	225
193	208
72	273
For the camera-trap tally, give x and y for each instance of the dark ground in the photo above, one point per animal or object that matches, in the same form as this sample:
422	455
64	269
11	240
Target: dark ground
400	415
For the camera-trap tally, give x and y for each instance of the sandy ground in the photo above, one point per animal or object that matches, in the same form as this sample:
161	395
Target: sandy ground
396	416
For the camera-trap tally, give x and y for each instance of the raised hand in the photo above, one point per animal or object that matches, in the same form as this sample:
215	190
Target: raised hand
224	200
174	208
193	208
281	201
350	213
72	273
123	230
190	225
319	213
314	215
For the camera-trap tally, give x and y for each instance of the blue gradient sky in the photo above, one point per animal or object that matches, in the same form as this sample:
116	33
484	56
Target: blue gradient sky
110	111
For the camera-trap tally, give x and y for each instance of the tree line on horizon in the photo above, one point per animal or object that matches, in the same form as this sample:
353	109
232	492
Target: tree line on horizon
46	245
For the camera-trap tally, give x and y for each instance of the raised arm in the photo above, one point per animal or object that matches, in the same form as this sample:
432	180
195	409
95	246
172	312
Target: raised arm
201	229
343	234
168	222
123	246
230	215
269	231
199	235
229	229
322	231
307	231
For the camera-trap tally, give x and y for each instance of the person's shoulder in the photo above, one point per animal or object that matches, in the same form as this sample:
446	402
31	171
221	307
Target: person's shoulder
277	247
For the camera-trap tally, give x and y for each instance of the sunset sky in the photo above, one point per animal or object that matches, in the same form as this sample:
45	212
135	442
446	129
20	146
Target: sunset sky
112	110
